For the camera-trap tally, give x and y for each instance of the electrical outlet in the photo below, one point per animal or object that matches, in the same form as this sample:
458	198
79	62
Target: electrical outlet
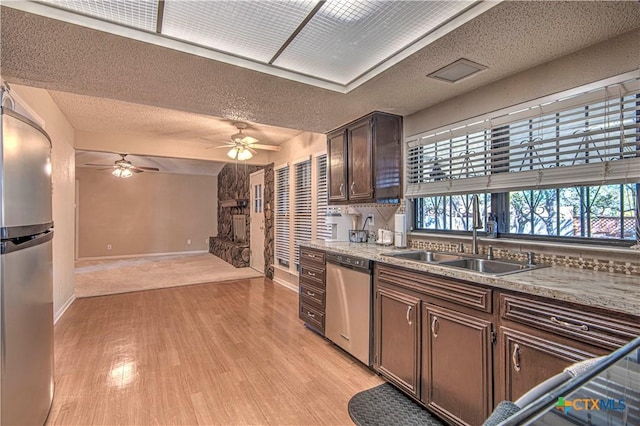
109	247
370	221
188	241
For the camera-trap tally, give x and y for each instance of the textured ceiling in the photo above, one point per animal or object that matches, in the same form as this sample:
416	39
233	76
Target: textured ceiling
509	38
102	115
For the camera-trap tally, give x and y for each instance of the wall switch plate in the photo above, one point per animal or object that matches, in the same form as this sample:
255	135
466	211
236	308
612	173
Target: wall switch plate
189	241
109	247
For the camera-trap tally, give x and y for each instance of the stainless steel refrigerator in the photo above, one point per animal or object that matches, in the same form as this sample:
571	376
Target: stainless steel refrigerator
26	293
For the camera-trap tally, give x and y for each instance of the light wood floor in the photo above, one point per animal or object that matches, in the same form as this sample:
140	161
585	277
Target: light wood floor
221	353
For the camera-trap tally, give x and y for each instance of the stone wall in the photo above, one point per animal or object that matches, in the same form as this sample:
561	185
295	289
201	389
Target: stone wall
237	254
233	182
269	200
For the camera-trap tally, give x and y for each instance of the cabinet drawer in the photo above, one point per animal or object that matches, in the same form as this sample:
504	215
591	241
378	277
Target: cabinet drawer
312	295
312	316
311	256
582	325
311	274
454	291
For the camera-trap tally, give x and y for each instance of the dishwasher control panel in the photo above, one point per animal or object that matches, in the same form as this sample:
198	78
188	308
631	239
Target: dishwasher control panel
343	259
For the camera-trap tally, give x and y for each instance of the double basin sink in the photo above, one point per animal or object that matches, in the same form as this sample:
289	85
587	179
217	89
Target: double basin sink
468	262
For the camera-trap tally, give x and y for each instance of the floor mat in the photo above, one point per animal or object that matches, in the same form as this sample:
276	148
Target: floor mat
385	405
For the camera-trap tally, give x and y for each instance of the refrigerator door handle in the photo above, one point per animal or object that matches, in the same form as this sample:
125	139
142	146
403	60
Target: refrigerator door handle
9	246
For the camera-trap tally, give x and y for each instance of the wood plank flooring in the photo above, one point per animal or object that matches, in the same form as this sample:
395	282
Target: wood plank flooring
220	353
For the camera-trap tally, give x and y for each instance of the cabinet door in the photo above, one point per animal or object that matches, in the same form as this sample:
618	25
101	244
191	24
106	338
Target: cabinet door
360	169
397	336
528	360
457	373
337	175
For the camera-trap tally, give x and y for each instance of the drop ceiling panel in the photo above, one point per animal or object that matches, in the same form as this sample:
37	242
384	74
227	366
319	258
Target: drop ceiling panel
140	14
347	38
251	29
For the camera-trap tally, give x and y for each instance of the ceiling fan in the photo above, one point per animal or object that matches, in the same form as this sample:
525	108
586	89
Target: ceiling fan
242	147
123	168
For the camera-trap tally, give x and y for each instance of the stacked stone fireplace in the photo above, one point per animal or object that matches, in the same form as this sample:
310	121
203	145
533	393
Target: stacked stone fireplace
235	250
232	242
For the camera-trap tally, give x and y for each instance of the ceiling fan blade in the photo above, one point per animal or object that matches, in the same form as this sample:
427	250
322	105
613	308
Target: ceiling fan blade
265	147
248	140
153	169
253	151
135	169
99	165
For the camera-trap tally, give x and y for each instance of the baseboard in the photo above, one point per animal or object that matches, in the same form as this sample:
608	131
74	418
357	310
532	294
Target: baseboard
129	256
285	284
63	309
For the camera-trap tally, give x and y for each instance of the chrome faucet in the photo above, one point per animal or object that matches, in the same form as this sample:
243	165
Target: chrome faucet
477	222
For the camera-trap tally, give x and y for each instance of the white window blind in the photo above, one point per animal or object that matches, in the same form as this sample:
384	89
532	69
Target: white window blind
302	206
282	217
587	138
323	230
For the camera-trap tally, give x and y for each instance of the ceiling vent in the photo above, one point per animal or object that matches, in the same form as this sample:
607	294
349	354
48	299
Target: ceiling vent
457	70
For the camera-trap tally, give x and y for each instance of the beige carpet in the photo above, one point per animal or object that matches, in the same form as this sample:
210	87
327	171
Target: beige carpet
100	277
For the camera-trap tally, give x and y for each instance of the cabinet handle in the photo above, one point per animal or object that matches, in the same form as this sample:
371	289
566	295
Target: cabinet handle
582	327
311	315
310	293
515	357
313	256
434	326
341	189
409	309
311	274
353	187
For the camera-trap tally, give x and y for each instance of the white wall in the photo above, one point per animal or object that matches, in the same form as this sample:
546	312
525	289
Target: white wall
63	177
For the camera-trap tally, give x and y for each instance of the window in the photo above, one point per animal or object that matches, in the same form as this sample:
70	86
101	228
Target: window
604	212
568	166
282	217
302	206
323	231
448	213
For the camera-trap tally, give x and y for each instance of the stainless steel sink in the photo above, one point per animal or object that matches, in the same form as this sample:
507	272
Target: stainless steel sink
424	256
490	267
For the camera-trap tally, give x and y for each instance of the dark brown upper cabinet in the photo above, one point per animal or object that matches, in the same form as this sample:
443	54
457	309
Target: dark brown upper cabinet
365	160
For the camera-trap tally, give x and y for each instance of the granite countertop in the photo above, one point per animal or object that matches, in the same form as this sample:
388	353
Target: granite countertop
615	292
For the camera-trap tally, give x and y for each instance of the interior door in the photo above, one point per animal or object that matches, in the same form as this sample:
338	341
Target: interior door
257	221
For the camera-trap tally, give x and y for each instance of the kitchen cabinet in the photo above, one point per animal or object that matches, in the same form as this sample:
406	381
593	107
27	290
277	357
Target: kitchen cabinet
476	344
397	328
457	371
527	360
539	338
312	288
365	163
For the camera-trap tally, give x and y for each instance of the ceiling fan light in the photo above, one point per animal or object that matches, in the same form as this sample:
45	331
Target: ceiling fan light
122	172
244	154
233	153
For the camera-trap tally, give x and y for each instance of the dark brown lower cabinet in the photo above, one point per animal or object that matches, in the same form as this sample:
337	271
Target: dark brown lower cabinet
397	352
528	360
457	373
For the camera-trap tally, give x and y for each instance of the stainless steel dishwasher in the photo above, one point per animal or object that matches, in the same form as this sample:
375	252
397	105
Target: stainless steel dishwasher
348	305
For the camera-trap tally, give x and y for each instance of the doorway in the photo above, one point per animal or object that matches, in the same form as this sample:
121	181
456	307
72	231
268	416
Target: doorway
256	181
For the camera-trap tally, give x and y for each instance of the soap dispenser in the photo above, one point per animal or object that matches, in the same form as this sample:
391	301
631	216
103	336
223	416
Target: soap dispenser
492	226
